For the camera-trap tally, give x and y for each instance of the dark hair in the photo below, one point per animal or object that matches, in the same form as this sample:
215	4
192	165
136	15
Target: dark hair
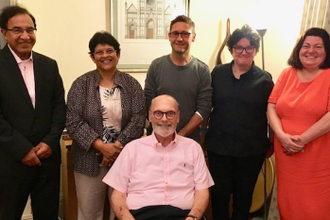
10	11
245	32
103	37
294	60
183	18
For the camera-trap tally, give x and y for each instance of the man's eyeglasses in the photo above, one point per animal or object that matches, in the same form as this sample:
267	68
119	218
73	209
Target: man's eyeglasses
101	52
18	30
175	34
248	49
159	114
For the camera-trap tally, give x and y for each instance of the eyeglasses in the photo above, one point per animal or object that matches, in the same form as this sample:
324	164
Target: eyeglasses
18	30
159	114
248	49
176	34
101	52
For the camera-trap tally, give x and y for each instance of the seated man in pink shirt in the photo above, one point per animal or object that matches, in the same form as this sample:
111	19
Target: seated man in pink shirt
162	176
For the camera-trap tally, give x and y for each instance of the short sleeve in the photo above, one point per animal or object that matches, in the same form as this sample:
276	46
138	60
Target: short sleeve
118	175
278	88
202	176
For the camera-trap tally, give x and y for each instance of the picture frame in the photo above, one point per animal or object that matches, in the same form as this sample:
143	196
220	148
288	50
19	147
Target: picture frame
141	27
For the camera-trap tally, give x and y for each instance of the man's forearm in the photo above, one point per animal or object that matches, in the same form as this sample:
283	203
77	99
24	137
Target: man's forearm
119	206
192	125
200	203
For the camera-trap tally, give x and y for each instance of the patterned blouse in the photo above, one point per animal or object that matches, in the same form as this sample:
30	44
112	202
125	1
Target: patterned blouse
111	113
85	117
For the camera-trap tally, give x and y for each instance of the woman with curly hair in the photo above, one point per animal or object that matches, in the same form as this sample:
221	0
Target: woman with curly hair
237	139
106	110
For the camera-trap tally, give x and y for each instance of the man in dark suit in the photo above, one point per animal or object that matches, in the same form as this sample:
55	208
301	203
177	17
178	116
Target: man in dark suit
32	117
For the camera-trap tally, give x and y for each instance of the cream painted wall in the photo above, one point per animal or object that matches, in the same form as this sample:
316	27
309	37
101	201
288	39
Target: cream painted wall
65	27
279	39
64	30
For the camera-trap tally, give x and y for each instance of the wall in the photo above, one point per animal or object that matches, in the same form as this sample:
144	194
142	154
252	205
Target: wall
283	18
64	29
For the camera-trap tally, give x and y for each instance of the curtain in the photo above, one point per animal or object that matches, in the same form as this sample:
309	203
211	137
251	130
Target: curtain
316	14
327	18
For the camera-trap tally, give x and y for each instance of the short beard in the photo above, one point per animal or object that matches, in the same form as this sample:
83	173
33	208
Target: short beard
182	51
164	129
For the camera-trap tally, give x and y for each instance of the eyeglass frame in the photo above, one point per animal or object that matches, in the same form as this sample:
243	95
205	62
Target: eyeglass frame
180	33
98	53
21	30
163	113
244	48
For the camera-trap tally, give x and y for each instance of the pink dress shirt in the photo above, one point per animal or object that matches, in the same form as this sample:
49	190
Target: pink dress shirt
26	67
151	174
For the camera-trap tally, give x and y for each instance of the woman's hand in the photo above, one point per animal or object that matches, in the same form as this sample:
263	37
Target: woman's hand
291	143
299	141
110	151
106	162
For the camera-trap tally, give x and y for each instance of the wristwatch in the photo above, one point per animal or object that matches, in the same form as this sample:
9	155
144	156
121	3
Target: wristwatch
192	216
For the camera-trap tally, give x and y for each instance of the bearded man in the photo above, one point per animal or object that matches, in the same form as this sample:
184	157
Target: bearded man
162	176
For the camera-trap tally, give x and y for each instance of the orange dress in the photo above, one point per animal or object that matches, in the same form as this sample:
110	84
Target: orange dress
303	180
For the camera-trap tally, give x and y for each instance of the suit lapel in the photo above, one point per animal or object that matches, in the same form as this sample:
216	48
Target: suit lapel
38	75
16	75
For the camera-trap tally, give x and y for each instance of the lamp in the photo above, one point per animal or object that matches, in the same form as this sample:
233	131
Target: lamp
262	33
259	17
263	9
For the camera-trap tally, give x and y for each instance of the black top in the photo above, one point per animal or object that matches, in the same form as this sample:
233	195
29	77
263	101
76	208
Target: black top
238	121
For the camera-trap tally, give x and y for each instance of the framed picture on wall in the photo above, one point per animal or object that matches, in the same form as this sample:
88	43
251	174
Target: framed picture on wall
141	27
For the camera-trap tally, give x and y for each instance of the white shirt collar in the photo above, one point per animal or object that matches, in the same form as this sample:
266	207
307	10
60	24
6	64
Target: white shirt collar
17	58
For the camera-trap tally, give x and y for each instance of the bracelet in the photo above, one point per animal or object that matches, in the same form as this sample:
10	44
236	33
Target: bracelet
202	129
192	216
